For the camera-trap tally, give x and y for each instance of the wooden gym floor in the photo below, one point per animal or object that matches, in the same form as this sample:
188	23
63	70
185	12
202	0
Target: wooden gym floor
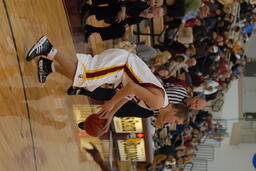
38	129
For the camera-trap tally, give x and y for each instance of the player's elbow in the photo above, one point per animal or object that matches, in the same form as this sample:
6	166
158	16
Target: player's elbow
157	104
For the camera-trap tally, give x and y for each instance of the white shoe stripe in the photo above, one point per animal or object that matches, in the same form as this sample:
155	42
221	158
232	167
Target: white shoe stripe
40	65
37	44
41	71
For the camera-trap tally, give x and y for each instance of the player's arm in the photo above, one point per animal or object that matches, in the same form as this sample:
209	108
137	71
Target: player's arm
110	115
119	105
160	120
154	99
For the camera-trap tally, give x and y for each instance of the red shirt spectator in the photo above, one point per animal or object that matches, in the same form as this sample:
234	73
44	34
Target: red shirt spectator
193	22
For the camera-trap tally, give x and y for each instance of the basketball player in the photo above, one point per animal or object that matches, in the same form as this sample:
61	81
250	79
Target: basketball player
130	75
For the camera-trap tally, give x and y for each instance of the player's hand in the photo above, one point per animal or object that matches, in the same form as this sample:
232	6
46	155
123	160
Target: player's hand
120	16
106	108
107	125
107	112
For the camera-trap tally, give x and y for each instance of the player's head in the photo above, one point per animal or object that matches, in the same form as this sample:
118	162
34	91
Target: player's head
180	114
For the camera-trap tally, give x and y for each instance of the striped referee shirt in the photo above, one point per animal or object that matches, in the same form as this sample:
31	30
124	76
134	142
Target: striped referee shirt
176	94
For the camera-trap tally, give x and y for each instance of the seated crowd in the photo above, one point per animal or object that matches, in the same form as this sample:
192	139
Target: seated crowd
195	63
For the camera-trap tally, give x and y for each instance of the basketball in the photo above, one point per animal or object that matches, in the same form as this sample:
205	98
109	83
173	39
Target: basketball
94	125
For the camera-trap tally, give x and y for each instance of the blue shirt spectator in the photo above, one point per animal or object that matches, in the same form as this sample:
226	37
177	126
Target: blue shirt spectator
248	29
192	14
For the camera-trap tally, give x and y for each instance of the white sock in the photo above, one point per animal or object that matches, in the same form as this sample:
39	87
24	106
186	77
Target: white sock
53	67
52	53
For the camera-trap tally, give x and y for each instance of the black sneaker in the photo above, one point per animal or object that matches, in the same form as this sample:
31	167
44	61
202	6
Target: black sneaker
76	91
41	47
44	69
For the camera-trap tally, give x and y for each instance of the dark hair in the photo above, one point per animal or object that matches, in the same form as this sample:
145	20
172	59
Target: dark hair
200	19
162	67
178	58
183	111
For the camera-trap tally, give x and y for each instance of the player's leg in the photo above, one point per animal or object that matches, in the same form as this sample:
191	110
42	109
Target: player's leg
56	61
60	63
65	65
